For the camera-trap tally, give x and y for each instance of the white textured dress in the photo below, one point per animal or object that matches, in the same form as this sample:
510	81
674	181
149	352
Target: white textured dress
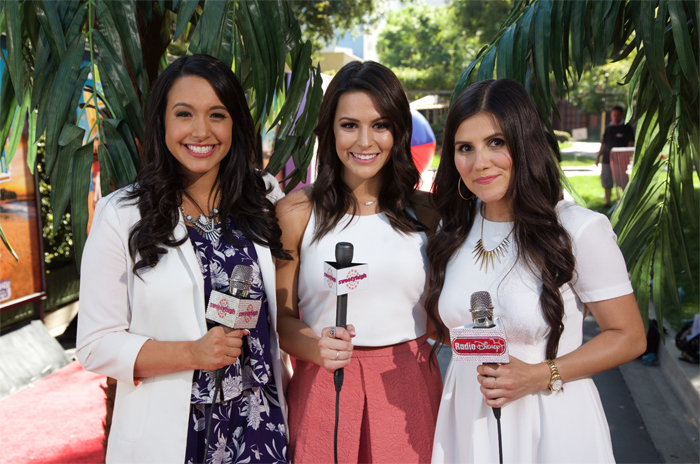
564	427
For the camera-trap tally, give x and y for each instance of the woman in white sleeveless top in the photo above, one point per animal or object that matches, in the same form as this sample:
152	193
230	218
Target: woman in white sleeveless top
546	263
364	194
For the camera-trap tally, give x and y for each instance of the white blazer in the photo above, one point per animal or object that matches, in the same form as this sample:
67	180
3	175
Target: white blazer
119	312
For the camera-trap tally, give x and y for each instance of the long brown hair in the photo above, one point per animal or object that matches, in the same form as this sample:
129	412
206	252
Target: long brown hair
331	197
240	184
542	242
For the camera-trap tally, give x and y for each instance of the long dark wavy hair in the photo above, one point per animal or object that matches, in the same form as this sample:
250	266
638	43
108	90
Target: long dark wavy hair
331	197
160	183
542	242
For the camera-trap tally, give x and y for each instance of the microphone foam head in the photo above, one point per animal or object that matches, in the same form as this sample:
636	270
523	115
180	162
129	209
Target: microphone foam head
481	301
240	281
482	309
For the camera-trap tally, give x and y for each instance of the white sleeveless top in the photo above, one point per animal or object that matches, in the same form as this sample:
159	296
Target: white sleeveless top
391	310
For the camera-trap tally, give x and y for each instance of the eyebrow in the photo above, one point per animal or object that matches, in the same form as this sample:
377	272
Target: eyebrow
496	134
187	105
357	120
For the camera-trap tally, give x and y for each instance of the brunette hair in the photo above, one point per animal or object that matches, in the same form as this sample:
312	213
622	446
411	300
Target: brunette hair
331	197
160	182
534	188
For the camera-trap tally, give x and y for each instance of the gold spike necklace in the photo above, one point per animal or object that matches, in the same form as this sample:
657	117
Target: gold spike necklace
485	257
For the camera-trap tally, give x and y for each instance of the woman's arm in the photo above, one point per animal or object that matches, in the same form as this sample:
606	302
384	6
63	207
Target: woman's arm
622	339
296	338
218	348
104	343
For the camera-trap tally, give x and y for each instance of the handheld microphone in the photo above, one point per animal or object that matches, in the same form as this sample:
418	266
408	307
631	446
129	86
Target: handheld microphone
234	310
483	341
342	276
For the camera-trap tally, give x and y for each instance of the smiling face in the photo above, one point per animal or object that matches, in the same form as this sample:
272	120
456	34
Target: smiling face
198	128
363	137
483	160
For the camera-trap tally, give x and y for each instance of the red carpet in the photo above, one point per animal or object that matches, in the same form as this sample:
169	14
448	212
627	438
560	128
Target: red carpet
59	421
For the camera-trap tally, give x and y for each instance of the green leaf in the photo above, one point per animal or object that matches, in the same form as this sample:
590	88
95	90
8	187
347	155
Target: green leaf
641	275
206	35
48	17
124	170
60	97
578	35
681	38
79	202
31	142
106	169
61	178
13	33
556	41
486	67
113	67
7	244
18	127
644	16
522	34
541	33
8	105
504	60
184	15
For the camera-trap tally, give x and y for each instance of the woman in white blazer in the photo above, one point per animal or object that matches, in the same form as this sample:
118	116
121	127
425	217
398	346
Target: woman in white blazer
149	268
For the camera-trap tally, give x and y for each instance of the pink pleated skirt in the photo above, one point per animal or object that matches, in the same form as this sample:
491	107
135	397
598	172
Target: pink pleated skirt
388	407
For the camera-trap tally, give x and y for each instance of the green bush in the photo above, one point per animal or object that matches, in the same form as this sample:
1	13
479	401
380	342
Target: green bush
562	136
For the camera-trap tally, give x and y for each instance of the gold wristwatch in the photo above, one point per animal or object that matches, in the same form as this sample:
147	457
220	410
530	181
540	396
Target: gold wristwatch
555	382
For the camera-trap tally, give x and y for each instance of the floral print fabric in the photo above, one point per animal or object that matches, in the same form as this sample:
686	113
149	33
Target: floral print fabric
248	425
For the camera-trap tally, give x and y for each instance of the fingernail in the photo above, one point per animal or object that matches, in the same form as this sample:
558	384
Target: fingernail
352	332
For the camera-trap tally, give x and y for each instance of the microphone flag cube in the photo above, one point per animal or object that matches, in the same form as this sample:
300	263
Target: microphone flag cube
235	313
342	280
480	345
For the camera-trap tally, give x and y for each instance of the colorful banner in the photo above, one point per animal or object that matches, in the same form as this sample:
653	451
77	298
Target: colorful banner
18	217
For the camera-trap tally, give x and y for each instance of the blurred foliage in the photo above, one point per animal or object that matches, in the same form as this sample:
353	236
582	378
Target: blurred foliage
322	20
58	247
427	47
547	46
53	46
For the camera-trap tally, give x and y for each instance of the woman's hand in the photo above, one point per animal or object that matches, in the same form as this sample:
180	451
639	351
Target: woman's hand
219	347
335	349
503	383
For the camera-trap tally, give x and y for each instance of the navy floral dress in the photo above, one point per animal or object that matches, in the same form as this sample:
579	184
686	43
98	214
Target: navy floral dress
248	426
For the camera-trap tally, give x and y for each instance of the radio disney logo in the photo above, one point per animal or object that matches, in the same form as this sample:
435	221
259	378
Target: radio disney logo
353	279
330	280
479	345
222	308
247	313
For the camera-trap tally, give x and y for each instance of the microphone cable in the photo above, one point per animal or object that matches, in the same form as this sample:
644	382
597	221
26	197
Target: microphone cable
497	415
220	392
338	376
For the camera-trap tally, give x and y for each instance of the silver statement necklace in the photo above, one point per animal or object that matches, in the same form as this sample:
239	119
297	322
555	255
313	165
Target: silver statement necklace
484	257
370	203
205	225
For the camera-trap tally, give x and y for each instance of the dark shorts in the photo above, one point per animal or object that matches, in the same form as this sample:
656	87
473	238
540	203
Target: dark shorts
606	179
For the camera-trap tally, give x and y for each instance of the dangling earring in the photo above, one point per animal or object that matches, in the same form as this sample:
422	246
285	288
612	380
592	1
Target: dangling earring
459	190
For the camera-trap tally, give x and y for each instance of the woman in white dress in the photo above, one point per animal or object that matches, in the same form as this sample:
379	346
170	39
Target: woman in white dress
546	263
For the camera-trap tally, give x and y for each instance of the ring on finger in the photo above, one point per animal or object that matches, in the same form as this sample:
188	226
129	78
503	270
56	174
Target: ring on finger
332	331
337	355
494	383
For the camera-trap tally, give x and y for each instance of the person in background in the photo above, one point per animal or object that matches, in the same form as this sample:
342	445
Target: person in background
148	271
364	194
617	134
546	263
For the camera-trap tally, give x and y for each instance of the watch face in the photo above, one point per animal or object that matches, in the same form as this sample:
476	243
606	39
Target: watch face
557	384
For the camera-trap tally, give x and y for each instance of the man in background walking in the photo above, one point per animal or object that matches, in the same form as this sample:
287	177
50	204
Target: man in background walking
617	134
